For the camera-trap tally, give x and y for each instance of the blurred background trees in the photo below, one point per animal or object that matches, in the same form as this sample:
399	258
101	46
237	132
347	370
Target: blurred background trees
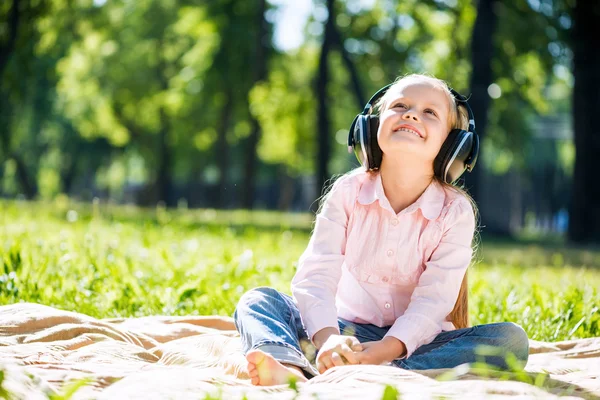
247	104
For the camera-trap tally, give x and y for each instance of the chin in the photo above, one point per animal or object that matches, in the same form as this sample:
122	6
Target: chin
402	144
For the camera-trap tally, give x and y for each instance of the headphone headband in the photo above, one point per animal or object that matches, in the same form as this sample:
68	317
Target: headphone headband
374	98
463	100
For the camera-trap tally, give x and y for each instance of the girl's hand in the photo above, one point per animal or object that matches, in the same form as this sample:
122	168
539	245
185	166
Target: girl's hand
382	351
338	350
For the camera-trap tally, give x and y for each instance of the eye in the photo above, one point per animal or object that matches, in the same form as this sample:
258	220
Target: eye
399	105
430	111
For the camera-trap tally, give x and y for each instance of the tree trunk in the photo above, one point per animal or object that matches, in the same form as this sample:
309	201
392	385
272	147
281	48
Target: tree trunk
223	149
584	221
482	51
262	48
13	26
323	123
354	77
286	190
27	186
5	120
163	180
68	174
164	184
6	50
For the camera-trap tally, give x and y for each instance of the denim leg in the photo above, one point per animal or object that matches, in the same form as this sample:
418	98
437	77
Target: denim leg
270	321
363	332
460	346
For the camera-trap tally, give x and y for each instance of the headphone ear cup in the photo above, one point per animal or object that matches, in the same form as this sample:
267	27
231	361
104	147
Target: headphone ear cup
375	152
352	133
449	164
360	141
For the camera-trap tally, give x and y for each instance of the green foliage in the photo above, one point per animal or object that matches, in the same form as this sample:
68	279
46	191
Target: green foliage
86	80
285	108
390	393
69	390
3	392
136	62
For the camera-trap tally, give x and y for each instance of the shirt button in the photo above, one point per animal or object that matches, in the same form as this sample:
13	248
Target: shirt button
390	253
395	221
387	305
385	279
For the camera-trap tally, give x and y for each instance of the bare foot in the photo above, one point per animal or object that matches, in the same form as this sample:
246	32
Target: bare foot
264	370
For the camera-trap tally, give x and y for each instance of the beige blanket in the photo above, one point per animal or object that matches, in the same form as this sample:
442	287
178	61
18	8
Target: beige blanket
45	351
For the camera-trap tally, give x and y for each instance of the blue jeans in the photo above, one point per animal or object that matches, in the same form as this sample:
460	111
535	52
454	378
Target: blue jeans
270	321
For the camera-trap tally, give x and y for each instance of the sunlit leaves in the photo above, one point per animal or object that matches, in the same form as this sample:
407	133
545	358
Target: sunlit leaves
285	108
121	75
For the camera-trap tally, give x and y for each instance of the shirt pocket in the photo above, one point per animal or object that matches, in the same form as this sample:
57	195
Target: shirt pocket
362	258
430	239
409	263
414	255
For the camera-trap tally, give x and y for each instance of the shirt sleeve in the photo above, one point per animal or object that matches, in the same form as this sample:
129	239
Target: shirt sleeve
439	284
315	283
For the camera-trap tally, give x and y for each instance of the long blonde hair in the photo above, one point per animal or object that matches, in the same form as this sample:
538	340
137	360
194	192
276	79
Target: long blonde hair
458	118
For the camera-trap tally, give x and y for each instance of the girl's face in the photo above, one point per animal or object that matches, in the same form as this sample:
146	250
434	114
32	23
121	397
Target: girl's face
415	119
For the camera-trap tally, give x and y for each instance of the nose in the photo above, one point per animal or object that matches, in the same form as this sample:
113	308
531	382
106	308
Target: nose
410	114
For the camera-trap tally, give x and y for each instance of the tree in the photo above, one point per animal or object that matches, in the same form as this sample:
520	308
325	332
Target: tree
584	223
262	48
134	78
482	53
17	65
323	122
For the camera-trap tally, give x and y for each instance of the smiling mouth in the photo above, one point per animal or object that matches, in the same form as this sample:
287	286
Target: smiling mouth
406	128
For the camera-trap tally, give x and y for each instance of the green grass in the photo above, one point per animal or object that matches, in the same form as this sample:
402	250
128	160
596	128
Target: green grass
109	261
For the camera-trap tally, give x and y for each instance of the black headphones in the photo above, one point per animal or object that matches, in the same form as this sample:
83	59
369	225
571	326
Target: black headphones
458	152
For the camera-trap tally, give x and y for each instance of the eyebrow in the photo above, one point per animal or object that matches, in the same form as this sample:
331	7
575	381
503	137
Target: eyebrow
437	106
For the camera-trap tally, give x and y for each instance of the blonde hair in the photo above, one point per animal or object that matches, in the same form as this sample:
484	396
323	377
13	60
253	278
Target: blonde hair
458	118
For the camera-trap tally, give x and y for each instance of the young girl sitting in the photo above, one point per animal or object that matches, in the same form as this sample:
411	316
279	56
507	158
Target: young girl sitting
383	279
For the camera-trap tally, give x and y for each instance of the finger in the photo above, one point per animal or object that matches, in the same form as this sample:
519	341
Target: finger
357	347
349	355
321	367
336	359
354	344
326	361
359	357
363	357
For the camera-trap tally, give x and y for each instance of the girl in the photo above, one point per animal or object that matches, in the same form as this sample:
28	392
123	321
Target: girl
380	280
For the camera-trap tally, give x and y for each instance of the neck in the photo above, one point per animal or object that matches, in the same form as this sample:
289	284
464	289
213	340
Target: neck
404	181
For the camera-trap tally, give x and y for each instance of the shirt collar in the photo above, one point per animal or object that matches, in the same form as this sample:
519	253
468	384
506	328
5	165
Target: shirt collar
430	203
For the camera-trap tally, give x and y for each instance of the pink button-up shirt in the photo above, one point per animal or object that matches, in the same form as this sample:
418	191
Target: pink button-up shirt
367	264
